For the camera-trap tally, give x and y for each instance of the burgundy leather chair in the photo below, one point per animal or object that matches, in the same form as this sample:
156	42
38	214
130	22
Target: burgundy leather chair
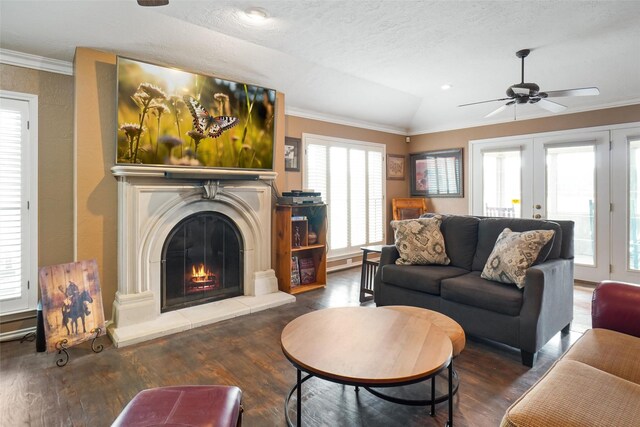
616	306
214	405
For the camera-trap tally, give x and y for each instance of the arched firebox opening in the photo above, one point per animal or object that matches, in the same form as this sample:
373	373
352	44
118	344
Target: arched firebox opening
201	261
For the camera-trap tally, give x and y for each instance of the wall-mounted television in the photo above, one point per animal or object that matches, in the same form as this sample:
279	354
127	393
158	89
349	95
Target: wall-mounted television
172	117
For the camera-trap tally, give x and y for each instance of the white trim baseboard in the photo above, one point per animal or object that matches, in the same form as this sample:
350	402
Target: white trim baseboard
344	266
27	60
11	335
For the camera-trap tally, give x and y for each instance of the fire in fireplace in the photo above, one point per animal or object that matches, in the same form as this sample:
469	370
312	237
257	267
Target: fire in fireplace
201	261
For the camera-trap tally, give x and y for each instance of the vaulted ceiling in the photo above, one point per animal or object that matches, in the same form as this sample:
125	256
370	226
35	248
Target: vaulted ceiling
378	64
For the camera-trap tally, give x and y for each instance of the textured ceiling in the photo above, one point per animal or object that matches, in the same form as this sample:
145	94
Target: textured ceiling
376	63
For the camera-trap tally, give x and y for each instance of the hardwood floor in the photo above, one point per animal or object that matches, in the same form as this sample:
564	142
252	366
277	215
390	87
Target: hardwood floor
93	388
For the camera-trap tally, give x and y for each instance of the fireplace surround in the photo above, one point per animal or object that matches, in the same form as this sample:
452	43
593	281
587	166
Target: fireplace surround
152	202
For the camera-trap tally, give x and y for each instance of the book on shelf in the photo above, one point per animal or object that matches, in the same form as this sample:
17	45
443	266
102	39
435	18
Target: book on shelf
295	273
307	271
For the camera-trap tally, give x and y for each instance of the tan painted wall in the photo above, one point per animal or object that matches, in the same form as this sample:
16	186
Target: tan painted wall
55	168
96	189
296	126
461	138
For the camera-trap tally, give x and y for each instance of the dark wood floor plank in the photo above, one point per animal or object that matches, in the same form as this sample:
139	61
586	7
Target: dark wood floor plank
93	388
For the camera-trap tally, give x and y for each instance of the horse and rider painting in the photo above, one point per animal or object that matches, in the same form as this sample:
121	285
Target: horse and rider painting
71	302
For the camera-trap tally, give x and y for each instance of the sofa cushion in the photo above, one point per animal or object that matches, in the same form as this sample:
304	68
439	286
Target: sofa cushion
475	291
423	278
460	238
490	228
420	241
513	253
574	394
609	351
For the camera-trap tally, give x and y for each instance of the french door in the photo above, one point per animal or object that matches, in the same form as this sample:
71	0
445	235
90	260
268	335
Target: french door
625	214
571	182
562	176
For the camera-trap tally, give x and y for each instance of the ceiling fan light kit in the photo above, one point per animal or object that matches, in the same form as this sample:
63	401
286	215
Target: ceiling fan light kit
152	3
529	93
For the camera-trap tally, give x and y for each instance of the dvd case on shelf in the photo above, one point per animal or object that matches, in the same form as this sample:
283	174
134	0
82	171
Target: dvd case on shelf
307	271
295	273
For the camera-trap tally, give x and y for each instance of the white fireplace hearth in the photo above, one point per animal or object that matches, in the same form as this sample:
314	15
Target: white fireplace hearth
151	202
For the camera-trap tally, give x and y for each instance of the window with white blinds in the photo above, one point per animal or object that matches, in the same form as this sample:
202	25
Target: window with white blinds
18	283
350	175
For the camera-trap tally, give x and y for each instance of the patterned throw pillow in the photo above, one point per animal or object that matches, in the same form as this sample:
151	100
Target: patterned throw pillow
513	253
420	241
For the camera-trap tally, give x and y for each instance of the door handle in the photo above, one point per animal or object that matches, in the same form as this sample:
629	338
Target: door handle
537	216
538	207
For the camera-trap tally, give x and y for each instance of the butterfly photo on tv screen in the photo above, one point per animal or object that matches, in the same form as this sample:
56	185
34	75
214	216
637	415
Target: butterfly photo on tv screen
205	123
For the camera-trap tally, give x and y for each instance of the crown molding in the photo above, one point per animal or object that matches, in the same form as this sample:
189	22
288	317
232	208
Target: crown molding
543	115
313	115
20	59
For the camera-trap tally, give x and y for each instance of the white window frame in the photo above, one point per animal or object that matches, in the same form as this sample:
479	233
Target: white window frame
349	143
30	254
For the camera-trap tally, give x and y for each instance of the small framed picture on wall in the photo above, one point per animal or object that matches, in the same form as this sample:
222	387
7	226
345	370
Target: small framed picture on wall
395	166
291	154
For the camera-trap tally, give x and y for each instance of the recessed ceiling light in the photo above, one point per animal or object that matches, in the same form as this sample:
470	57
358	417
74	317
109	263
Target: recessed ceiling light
256	14
446	86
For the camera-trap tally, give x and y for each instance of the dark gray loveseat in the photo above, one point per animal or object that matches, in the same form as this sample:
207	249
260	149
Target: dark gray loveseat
522	318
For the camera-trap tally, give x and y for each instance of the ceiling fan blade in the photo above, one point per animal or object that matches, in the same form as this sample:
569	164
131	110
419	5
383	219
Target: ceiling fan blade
499	110
496	111
554	107
584	91
482	102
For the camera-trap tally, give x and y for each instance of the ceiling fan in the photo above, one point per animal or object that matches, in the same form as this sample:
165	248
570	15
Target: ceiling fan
529	93
152	3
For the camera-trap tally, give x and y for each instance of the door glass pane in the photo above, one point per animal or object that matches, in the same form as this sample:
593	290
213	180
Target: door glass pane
634	205
501	191
570	178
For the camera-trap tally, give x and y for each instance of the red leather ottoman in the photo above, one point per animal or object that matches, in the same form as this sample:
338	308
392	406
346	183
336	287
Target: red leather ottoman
210	405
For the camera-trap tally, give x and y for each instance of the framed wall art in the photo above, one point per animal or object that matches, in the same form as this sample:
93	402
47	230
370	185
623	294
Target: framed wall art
395	166
292	154
437	173
172	117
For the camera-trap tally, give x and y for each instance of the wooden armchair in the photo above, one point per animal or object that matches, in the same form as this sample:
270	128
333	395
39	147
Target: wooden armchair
408	208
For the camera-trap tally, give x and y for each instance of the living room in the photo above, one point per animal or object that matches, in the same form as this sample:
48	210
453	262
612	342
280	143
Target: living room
344	74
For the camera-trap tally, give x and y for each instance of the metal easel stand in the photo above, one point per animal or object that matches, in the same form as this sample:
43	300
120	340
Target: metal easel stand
62	346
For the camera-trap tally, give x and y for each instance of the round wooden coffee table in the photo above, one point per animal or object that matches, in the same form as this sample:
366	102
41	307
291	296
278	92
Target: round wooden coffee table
366	347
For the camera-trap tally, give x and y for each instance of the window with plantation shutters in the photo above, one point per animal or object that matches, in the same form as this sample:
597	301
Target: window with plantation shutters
350	176
18	284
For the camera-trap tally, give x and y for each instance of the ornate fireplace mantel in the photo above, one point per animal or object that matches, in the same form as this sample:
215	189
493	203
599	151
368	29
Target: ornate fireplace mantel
151	201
